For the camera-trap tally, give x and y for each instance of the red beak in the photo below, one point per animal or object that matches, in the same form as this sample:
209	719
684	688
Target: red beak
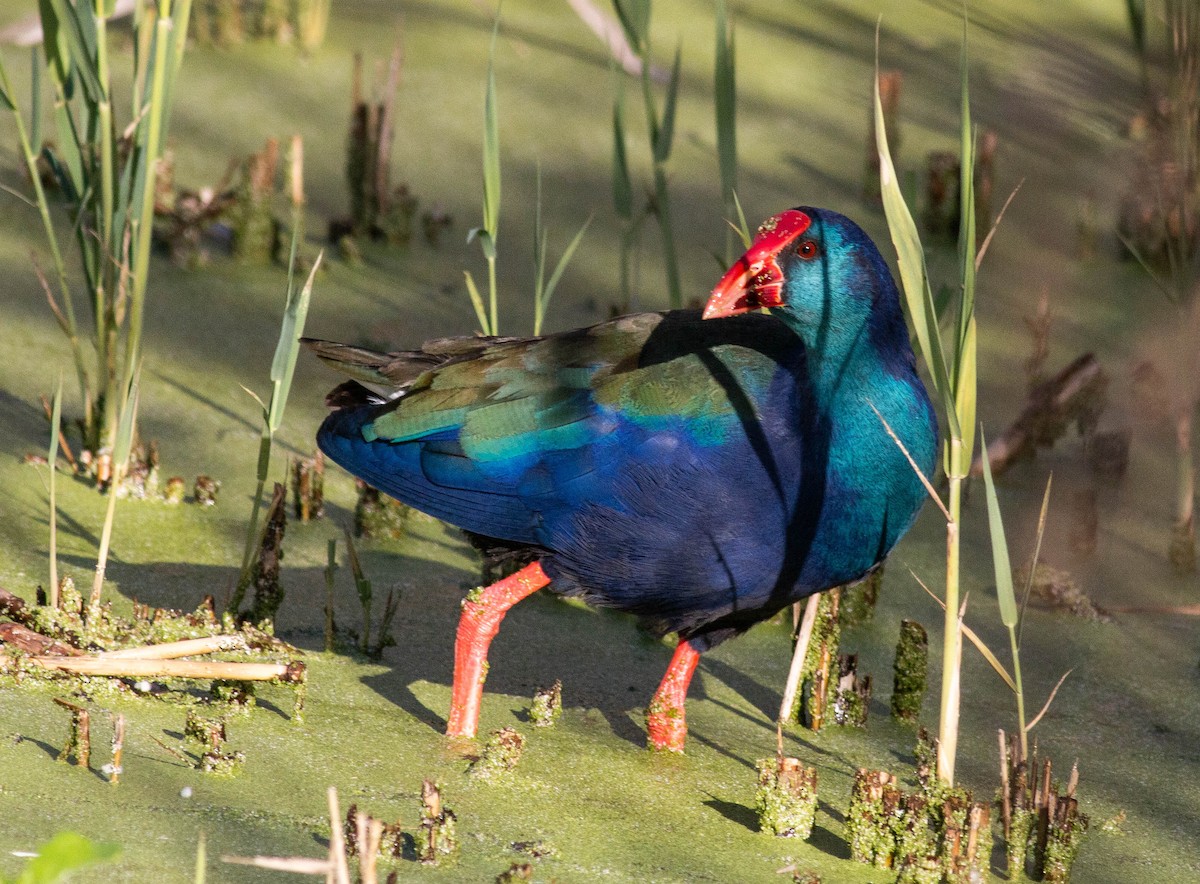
755	280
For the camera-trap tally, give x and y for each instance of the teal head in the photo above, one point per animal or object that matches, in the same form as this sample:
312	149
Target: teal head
822	276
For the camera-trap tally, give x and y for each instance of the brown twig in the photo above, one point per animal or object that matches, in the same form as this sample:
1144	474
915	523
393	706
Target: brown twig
1049	700
34	642
13	606
299	865
338	865
1074	395
175	752
799	655
62	439
1183	610
118	748
191	647
131	668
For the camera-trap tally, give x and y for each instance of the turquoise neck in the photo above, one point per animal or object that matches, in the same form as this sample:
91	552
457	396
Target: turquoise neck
841	361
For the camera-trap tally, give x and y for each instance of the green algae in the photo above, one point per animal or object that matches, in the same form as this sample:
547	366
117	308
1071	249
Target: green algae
373	729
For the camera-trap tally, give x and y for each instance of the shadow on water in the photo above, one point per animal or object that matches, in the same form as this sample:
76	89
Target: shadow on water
734	812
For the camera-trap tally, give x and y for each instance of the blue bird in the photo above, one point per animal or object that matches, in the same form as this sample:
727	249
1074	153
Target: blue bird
701	471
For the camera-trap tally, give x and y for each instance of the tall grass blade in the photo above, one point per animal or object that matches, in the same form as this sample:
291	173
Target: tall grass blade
52	459
634	16
665	134
35	99
126	420
1136	13
963	374
1037	552
283	365
481	314
966	396
910	257
491	144
725	104
743	229
556	275
291	329
725	93
622	186
1001	564
55	42
201	870
539	255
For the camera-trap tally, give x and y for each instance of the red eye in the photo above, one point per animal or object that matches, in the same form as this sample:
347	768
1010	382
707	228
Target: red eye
807	250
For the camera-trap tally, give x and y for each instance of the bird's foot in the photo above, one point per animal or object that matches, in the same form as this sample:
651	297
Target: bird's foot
667	727
665	719
482	612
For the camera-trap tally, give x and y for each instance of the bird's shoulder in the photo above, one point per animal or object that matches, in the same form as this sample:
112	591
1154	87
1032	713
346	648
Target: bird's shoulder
643	365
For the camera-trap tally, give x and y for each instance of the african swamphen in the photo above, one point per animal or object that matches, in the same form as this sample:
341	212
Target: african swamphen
702	475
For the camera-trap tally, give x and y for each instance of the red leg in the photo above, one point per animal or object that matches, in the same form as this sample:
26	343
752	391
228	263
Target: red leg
665	719
482	612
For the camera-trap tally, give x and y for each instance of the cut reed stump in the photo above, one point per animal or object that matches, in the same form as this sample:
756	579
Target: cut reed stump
858	600
910	671
268	593
936	834
786	798
370	838
1108	454
1043	828
79	734
378	516
547	705
1076	395
376	209
437	838
308	487
852	695
818	676
874	801
499	755
941	194
114	768
205	490
1085	521
255	228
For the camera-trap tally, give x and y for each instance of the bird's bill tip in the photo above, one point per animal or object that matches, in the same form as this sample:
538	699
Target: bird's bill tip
755	279
731	296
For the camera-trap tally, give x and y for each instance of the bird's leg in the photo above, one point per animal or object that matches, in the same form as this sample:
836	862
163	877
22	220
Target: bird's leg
482	612
664	718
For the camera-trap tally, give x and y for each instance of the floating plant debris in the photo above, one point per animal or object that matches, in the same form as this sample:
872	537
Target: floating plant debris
1059	589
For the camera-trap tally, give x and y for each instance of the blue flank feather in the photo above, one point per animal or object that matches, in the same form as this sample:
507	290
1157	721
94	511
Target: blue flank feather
700	474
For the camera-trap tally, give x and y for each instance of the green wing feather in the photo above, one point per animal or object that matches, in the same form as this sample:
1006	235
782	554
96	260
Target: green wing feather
514	397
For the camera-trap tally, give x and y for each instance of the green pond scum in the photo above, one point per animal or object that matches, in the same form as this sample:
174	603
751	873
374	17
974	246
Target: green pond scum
1059	84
